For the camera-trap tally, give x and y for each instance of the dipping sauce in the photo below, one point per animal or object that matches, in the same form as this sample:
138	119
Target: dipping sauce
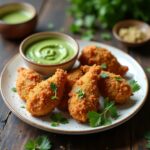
14	17
132	34
50	51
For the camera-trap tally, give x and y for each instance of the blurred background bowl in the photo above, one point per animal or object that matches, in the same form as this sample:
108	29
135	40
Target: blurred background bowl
142	26
21	29
48	69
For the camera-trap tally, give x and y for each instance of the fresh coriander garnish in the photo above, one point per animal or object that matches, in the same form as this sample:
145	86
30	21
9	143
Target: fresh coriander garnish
104	75
118	78
14	89
134	85
106	36
147	137
39	143
80	93
109	111
54	89
104	66
50	25
148	69
57	118
22	106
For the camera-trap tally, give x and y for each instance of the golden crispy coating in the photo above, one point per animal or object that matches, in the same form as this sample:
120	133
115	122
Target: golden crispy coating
72	77
96	55
84	95
27	79
115	87
40	100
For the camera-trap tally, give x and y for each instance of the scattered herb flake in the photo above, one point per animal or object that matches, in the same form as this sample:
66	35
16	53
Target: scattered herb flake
106	36
54	89
57	118
22	106
39	143
134	85
118	78
50	25
14	89
148	69
109	111
104	66
104	75
80	93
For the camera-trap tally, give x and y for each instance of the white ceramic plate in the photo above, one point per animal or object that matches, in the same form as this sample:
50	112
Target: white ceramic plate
12	100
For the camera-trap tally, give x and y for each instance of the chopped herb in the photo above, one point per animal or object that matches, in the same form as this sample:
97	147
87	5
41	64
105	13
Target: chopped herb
57	119
147	137
80	93
106	36
88	35
50	26
39	143
54	89
148	69
98	119
134	85
14	89
118	78
104	66
22	106
104	75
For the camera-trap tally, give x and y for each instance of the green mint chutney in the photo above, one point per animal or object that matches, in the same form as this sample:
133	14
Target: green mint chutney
50	51
14	17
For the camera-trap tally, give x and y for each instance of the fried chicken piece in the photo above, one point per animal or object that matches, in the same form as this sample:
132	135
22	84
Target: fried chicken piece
27	79
72	77
96	55
84	96
47	94
115	87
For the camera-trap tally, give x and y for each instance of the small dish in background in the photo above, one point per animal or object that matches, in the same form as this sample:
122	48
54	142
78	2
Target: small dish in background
46	50
17	20
137	28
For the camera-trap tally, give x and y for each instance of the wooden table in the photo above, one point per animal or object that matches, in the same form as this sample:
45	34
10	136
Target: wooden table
14	133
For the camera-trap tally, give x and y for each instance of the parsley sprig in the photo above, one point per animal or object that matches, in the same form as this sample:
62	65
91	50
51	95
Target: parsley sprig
147	137
80	93
105	117
104	75
57	119
134	85
54	89
14	89
39	143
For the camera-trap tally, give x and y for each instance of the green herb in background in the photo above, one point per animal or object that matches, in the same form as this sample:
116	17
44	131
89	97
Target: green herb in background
148	69
98	119
147	137
14	89
50	26
134	85
104	66
87	35
39	143
104	75
106	36
57	119
118	78
80	93
54	89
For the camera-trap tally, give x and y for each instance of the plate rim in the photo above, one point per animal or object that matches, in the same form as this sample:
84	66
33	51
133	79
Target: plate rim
73	132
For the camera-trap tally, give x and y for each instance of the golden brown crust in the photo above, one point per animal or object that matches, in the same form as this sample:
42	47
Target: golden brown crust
40	100
27	79
79	107
96	55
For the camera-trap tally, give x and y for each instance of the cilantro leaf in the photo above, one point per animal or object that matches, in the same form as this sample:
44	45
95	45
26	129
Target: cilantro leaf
106	36
41	143
134	85
89	20
54	89
104	75
104	66
118	78
57	118
148	69
14	89
88	35
80	93
22	106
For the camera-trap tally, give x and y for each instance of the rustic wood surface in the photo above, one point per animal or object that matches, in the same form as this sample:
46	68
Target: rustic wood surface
14	133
